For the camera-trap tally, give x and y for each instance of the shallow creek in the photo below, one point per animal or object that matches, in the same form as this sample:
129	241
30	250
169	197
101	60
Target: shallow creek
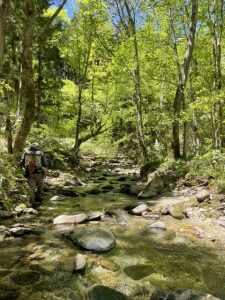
34	267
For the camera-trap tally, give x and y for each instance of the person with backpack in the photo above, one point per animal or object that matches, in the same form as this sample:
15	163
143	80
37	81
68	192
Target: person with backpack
34	162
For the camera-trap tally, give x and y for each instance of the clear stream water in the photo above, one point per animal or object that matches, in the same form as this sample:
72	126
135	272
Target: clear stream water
34	267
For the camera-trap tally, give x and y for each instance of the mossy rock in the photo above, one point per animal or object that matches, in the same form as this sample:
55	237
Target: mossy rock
178	211
192	202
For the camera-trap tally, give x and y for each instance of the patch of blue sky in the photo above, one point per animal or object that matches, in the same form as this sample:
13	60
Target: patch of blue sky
70	7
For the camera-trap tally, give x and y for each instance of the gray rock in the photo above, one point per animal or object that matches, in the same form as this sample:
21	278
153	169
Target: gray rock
159	182
139	209
56	198
70	219
30	211
71	182
95	239
202	195
18	231
80	262
96	216
151	216
158	225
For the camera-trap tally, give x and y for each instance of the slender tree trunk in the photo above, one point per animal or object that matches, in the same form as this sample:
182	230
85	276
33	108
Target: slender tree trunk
28	79
137	92
18	91
79	115
39	87
8	132
183	73
2	32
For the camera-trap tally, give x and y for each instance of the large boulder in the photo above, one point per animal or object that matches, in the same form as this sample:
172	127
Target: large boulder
94	239
70	219
158	183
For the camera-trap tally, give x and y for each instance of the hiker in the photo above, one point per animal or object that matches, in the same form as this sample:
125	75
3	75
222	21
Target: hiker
34	162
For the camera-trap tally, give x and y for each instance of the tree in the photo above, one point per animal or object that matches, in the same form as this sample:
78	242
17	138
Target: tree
183	71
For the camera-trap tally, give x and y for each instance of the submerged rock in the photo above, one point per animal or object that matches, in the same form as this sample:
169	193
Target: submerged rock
73	219
182	295
25	277
101	292
95	239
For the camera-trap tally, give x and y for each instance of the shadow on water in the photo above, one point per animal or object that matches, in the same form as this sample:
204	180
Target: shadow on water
31	268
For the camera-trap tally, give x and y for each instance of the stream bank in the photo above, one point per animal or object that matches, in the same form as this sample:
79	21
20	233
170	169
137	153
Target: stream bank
154	256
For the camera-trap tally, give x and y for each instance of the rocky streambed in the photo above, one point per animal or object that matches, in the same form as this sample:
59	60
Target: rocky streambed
95	239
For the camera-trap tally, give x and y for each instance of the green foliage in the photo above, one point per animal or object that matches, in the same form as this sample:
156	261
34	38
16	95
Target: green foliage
6	178
99	147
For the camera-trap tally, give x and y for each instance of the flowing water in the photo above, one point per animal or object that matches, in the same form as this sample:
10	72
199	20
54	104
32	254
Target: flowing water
37	266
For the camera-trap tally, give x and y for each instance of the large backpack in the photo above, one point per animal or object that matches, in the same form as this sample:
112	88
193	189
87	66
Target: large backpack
33	161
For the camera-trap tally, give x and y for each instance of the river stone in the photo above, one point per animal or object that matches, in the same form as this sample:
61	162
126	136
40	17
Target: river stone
139	209
80	262
202	195
149	215
95	239
56	198
73	219
139	271
25	277
101	292
18	231
71	182
31	211
182	295
96	216
158	225
177	211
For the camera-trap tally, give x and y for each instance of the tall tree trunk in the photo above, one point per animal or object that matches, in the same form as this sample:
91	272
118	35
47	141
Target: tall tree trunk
39	87
2	32
183	73
137	91
28	79
79	115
